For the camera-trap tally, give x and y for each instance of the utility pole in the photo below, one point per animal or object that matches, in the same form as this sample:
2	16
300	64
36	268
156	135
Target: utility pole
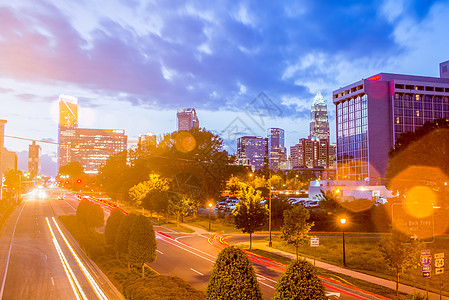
2	143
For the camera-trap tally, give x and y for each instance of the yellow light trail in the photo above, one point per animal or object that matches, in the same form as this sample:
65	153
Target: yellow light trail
98	291
77	290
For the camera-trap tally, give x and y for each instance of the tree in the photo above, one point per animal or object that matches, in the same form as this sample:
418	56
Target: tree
233	277
72	169
276	182
112	225
296	228
142	242
300	282
250	214
122	237
400	252
179	205
412	149
89	214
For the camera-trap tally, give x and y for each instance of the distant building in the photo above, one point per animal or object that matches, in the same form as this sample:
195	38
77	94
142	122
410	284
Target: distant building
9	161
92	147
276	148
310	153
444	69
319	123
147	140
373	112
33	158
68	122
187	119
254	149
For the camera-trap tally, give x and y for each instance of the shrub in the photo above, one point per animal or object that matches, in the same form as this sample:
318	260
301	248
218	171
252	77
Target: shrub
300	282
233	277
112	224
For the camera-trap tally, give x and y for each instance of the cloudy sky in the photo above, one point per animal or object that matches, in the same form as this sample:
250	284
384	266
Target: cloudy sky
244	65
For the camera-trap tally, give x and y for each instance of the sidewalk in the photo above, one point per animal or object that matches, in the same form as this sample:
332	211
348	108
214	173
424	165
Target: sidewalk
369	278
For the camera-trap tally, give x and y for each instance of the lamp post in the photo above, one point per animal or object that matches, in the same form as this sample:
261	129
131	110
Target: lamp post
210	213
343	222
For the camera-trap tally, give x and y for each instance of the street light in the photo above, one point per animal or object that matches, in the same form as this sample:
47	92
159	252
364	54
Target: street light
343	222
210	213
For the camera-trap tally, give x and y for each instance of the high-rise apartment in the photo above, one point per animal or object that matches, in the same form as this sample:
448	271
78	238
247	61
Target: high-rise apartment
33	158
276	148
373	112
254	149
92	147
319	123
68	122
187	119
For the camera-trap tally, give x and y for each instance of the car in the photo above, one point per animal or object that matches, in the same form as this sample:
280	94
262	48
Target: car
294	201
311	203
60	198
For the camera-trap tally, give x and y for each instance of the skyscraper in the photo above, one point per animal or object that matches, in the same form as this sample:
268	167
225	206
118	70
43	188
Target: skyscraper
276	148
33	158
68	122
92	147
373	112
253	148
187	119
310	153
319	123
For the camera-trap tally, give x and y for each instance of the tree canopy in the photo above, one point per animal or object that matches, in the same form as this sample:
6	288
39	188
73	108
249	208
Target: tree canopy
233	277
250	214
296	228
89	214
112	225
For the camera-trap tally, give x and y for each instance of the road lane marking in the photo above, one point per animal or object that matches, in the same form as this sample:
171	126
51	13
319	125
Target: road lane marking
52	281
98	291
164	239
159	251
9	252
196	271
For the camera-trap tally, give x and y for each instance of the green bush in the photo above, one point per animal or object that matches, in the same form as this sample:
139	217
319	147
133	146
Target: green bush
233	277
300	282
416	296
112	224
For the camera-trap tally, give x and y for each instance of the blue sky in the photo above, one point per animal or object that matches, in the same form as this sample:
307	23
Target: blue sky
132	64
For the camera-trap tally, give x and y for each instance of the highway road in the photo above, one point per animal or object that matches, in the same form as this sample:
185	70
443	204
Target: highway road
38	259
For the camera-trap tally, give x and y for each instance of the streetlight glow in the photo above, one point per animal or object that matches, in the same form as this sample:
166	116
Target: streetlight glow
342	220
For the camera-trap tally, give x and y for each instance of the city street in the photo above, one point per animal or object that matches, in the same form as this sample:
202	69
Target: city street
38	259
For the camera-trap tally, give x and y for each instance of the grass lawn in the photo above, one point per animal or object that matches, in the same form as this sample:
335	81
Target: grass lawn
367	286
216	225
363	255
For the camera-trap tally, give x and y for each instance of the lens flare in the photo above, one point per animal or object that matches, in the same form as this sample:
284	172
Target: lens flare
419	201
185	142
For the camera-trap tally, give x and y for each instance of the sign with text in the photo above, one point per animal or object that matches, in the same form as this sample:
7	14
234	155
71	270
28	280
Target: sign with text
439	263
417	228
314	242
426	260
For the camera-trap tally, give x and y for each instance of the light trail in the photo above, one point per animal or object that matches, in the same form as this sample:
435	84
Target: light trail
76	287
98	291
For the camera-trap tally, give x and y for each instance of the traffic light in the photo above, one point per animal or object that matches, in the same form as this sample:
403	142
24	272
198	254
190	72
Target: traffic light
78	181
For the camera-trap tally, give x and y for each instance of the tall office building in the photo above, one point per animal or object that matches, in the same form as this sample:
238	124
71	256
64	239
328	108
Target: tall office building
254	149
319	123
187	119
92	147
33	158
372	113
444	69
68	122
276	148
310	153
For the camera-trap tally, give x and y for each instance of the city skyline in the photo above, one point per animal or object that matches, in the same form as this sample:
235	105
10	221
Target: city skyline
130	70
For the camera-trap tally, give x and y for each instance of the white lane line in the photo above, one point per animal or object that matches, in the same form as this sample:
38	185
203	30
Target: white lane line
184	236
185	245
9	252
159	251
196	271
52	281
168	241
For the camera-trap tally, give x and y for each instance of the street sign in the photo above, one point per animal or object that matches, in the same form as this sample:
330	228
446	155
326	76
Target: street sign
439	271
426	258
426	268
426	274
314	242
439	263
438	255
417	228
